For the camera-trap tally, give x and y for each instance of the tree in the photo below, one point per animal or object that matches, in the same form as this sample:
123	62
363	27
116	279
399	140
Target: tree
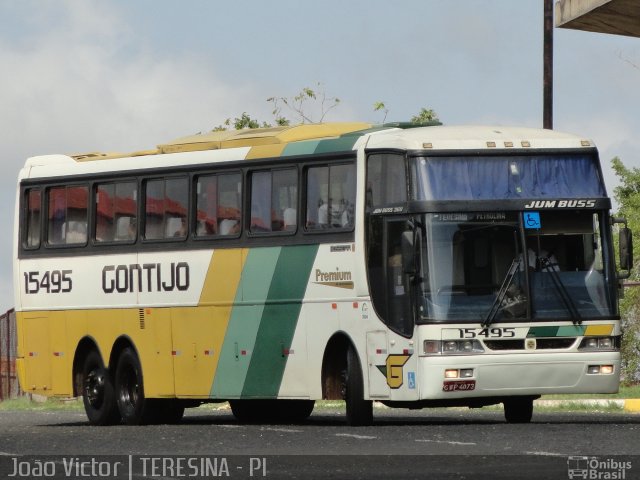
627	194
377	106
425	116
299	105
302	105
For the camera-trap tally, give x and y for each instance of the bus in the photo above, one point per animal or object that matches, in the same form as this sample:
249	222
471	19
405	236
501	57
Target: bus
414	266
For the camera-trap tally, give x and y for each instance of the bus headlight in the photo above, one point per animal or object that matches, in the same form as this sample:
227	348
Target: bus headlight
452	347
600	343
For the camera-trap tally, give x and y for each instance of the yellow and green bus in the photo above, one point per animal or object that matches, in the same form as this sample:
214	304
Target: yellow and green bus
415	266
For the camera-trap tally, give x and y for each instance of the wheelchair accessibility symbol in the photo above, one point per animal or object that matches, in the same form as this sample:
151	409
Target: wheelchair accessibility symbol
532	220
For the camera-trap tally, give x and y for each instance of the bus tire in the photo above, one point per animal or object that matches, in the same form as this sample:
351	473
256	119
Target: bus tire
247	411
359	410
134	408
293	410
98	394
518	409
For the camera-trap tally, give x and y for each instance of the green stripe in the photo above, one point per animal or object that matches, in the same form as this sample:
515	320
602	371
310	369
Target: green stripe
305	147
340	144
279	320
567	331
571	331
244	322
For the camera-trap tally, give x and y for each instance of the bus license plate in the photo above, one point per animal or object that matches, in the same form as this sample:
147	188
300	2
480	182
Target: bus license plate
459	386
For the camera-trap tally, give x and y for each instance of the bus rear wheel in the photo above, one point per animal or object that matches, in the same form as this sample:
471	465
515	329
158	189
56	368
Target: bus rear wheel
98	395
518	410
359	410
134	408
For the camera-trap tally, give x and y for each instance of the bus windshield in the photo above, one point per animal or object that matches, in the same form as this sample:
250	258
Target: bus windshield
485	266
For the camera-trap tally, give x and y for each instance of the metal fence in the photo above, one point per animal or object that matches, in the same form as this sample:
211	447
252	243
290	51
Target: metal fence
9	387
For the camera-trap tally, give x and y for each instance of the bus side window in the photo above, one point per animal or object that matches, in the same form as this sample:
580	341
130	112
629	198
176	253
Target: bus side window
274	194
32	218
166	206
218	205
67	210
116	212
386	180
331	193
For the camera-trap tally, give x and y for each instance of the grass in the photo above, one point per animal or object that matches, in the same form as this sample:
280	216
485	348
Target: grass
632	391
25	403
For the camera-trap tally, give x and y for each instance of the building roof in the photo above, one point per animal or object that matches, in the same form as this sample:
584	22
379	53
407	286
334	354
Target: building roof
617	17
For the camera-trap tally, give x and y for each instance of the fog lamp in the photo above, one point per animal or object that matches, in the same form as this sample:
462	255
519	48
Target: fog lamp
606	369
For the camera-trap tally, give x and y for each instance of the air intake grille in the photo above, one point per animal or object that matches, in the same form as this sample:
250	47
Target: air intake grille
541	344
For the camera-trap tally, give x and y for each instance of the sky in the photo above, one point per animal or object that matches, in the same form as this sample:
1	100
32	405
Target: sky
90	75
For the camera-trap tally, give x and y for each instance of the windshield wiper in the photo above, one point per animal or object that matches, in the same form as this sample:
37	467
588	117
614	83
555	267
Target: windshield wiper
561	289
504	288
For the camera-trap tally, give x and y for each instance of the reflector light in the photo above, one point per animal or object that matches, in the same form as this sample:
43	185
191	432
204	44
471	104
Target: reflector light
431	346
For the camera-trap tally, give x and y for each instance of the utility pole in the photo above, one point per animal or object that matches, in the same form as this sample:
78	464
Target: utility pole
547	89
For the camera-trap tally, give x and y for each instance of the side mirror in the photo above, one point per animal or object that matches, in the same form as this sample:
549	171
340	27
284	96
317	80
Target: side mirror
408	253
625	245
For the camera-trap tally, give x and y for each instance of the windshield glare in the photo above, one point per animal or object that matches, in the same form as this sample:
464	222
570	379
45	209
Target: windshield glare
475	267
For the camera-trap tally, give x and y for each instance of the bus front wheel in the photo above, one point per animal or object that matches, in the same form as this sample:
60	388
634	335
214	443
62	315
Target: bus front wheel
134	408
359	410
518	410
98	394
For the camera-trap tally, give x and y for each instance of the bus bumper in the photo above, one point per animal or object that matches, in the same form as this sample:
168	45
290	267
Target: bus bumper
510	375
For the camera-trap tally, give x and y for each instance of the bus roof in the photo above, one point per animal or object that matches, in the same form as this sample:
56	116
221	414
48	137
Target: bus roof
310	139
475	138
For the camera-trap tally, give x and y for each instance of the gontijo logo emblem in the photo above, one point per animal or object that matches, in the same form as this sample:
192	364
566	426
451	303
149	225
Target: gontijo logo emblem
393	369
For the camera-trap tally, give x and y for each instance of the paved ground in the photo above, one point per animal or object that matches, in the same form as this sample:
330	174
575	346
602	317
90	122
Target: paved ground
402	444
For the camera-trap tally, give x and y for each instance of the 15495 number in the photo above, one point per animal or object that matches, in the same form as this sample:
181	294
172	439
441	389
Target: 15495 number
495	332
54	281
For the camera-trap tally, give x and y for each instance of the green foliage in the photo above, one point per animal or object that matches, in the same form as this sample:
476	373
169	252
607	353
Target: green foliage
240	123
377	106
627	194
310	105
425	116
301	103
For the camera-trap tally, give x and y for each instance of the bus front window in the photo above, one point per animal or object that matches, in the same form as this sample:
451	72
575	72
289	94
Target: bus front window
566	267
475	268
472	264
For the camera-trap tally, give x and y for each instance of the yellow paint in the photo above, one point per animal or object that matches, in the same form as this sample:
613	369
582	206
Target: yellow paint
197	341
265	151
198	333
61	358
260	137
632	405
239	138
394	370
37	354
320	130
598	330
223	277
